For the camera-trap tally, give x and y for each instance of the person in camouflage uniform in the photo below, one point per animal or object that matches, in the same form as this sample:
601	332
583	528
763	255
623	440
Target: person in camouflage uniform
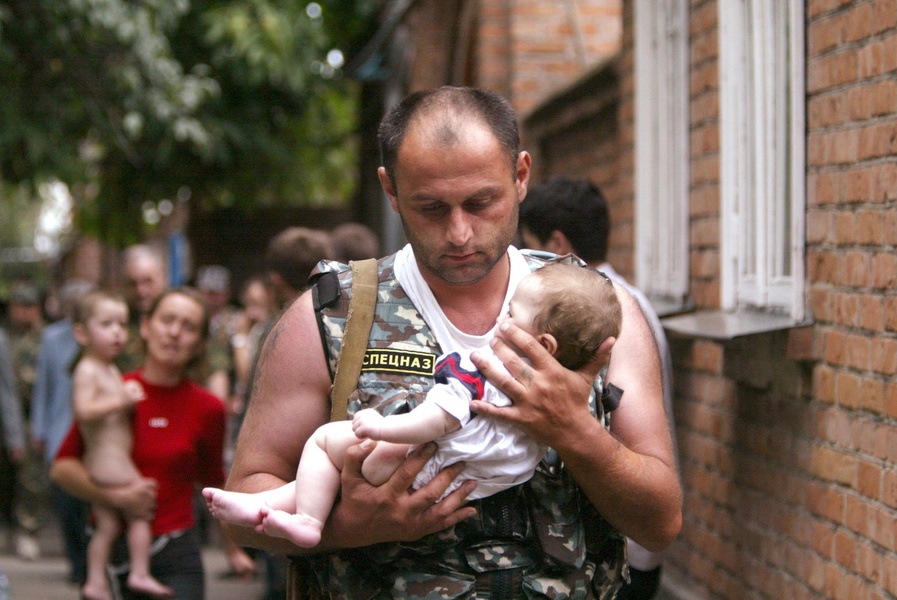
32	486
213	282
453	171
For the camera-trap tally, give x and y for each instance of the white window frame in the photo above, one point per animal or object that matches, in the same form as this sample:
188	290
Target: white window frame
662	149
762	153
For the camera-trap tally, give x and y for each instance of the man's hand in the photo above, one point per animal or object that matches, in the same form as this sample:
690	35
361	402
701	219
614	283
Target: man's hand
393	511
137	500
241	564
550	402
367	424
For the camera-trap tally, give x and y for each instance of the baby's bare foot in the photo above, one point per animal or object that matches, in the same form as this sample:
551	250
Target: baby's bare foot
149	586
94	591
234	507
302	530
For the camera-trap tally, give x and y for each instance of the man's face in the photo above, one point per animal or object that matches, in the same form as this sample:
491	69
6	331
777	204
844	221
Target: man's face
24	315
458	201
145	282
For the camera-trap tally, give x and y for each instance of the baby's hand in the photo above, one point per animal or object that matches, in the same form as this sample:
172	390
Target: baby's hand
367	423
133	391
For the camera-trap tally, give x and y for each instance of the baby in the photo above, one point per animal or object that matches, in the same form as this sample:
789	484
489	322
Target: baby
570	310
102	405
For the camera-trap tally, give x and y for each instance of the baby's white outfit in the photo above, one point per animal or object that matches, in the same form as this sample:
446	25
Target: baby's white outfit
497	454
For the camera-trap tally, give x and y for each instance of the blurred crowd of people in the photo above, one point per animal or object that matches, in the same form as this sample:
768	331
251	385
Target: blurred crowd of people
38	352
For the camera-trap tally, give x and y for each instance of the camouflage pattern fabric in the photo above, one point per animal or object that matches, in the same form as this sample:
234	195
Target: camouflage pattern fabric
24	347
542	539
223	327
32	495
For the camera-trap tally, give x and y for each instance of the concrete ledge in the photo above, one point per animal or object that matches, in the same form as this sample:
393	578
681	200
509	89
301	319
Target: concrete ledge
718	325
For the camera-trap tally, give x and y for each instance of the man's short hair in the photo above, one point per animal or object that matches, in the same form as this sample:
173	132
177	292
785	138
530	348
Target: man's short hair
354	241
576	208
295	251
213	278
488	108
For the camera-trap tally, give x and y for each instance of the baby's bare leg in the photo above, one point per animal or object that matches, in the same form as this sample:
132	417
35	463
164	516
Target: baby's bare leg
238	508
98	548
140	537
379	466
317	483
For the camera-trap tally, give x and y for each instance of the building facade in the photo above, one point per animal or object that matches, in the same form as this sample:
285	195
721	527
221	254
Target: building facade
748	149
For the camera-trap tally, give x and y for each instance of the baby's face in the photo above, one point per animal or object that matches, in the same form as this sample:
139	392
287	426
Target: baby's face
524	305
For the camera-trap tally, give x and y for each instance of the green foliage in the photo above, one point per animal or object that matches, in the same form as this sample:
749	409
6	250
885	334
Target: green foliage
129	102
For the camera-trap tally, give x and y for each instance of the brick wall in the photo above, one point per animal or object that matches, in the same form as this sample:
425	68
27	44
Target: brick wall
552	43
788	440
524	49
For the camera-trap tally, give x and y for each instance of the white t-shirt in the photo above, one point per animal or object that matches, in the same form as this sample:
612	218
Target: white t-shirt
498	455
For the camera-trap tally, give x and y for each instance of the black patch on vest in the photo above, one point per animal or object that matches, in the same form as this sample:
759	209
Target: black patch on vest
407	362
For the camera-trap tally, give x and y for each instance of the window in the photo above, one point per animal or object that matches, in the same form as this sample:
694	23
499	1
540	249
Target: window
662	154
762	155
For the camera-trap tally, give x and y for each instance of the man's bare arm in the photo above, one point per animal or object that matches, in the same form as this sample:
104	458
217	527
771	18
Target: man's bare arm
136	500
628	474
289	401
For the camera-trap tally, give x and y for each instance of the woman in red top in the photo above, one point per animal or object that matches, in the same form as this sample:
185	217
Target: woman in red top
178	442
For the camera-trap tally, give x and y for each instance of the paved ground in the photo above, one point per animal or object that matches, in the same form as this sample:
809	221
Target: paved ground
46	577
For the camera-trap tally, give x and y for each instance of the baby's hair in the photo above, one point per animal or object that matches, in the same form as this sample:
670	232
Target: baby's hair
579	307
87	304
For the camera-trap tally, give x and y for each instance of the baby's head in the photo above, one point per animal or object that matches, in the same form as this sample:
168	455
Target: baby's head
100	318
576	306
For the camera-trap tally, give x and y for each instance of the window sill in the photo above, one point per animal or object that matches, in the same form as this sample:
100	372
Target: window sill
668	308
719	325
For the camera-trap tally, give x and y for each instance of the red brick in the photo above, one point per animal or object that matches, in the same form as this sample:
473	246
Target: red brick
872	395
845	307
825	501
891	399
856	270
886	189
889	488
826	110
884	271
884	15
870	226
884	356
820	7
818	226
872	313
844	226
869	479
859	23
825	34
845	550
824	385
834	466
847	389
876	141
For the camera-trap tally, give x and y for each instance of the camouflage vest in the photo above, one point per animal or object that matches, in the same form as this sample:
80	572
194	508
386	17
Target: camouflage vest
24	348
541	539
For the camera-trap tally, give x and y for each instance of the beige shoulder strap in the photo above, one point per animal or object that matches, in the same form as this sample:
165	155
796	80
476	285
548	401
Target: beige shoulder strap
355	342
355	336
